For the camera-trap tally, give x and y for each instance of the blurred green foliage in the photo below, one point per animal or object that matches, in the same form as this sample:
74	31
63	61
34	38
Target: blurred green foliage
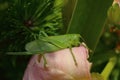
109	45
19	20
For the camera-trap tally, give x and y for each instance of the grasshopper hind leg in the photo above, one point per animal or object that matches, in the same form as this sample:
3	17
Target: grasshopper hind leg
75	61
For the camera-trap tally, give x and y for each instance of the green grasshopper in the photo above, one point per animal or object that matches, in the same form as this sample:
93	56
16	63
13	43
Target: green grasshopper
49	44
54	43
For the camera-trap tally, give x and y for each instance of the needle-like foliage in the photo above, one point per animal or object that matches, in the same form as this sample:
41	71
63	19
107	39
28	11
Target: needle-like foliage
23	18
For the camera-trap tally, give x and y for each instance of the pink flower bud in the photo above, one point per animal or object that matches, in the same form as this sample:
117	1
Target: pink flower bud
116	1
60	66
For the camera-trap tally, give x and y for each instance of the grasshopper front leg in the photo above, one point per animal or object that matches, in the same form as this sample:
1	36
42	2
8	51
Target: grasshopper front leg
45	61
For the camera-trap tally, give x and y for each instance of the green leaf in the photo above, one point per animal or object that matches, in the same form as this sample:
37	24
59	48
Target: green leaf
102	57
67	12
88	19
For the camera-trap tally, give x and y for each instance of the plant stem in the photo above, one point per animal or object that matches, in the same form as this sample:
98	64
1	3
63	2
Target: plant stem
108	68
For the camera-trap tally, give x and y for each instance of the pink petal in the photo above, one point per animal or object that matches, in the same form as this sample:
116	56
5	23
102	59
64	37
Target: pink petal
61	66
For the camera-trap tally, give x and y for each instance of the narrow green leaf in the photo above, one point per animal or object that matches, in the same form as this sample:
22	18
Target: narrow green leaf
67	12
88	19
19	53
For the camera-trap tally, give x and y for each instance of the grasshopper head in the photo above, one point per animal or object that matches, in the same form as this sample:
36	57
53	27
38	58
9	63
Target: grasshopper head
75	40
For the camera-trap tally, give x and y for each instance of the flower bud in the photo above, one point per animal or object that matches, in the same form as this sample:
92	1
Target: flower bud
114	14
60	66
